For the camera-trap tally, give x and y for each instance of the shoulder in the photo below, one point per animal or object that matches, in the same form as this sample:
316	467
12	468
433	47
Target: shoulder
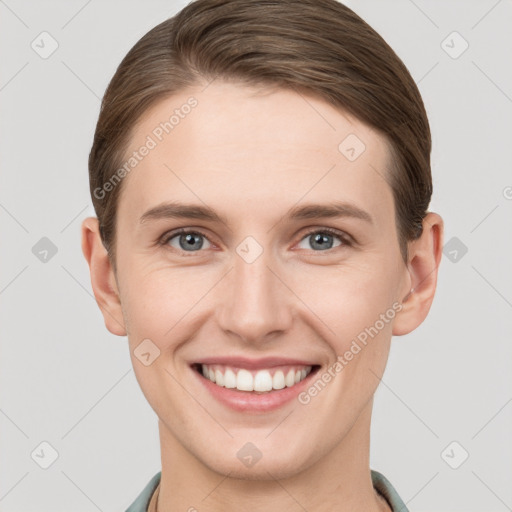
383	486
142	501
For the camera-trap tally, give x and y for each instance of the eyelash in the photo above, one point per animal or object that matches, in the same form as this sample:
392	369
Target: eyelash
345	239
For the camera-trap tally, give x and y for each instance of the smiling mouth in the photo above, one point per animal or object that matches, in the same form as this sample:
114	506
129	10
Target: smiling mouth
255	381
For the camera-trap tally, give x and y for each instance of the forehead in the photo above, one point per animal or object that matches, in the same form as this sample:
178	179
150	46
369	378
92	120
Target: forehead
238	146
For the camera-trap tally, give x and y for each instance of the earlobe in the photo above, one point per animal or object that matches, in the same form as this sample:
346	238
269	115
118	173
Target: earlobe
102	277
424	258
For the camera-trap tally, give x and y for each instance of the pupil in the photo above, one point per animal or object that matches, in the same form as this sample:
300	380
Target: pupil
191	239
322	240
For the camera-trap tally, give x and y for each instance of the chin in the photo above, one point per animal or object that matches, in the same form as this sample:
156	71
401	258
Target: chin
245	465
260	471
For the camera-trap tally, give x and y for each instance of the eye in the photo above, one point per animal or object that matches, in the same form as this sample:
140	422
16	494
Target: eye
193	241
322	239
185	240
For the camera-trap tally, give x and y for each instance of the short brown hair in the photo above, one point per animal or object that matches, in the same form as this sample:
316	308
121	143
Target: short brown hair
316	46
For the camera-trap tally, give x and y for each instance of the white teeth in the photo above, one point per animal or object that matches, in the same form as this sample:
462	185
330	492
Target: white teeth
278	380
230	379
262	381
219	378
244	381
290	379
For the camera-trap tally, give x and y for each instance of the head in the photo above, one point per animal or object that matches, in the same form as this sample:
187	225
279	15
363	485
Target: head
290	145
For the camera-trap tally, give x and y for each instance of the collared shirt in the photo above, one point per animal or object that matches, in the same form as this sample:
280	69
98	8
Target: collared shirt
146	501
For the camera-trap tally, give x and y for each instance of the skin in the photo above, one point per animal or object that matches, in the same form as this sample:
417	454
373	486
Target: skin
252	155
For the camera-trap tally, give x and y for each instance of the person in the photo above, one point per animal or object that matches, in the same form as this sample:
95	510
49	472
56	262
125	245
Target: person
261	177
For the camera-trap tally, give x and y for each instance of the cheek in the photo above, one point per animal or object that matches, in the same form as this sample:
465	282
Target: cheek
356	305
155	300
345	298
348	295
349	299
158	305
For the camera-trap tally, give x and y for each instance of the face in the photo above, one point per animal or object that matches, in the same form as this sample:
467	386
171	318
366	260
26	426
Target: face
257	244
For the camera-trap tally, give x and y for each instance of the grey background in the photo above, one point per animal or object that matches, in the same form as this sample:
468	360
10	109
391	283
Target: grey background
66	380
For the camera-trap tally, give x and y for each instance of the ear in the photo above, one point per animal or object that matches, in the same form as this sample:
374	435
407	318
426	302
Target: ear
102	277
424	257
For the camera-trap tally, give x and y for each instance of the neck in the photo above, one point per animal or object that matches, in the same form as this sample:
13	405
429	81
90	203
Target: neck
340	481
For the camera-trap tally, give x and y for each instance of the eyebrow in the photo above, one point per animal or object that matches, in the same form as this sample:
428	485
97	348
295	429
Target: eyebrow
175	210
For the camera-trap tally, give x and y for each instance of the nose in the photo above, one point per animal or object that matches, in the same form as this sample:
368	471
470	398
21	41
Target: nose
254	303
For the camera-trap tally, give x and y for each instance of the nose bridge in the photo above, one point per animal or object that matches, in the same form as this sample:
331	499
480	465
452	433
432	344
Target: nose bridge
254	302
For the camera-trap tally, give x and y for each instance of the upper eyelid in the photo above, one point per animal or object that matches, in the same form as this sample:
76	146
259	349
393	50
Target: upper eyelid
181	231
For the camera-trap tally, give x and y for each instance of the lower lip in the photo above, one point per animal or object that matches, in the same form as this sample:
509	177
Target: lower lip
249	401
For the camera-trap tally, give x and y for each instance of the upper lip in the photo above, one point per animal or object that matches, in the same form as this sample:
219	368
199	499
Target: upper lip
254	364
